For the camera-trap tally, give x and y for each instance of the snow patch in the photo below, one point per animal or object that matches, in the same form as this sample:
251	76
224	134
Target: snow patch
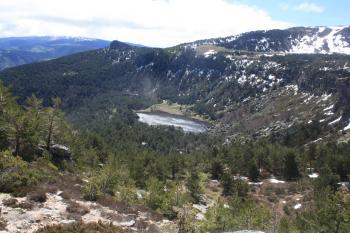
329	108
275	181
313	175
210	53
335	121
293	88
330	113
347	127
333	42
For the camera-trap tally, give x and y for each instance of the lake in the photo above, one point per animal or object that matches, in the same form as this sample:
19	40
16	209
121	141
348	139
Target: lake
162	118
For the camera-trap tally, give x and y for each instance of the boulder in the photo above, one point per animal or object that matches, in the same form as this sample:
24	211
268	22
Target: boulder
60	152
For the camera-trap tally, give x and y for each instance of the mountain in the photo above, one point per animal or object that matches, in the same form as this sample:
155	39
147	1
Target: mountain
22	50
321	40
241	93
273	157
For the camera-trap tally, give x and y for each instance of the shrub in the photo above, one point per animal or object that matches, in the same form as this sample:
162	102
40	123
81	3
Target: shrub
286	210
91	191
12	202
15	173
26	205
65	195
3	224
37	196
76	208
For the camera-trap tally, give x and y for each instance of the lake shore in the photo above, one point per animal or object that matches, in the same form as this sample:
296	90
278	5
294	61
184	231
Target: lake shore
164	118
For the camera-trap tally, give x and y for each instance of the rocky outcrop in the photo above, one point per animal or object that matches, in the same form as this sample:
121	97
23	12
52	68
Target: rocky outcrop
59	152
57	210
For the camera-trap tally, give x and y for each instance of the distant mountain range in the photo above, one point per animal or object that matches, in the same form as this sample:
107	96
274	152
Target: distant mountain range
321	40
16	51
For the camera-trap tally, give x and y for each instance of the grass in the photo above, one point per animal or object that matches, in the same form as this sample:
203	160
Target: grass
201	49
174	108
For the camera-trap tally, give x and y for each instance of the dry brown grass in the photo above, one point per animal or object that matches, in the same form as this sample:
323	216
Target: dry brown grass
82	228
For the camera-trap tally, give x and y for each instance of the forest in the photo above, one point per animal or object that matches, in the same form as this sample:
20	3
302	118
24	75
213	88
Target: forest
172	169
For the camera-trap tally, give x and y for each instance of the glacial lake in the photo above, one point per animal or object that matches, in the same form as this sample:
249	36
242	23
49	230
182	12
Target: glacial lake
162	118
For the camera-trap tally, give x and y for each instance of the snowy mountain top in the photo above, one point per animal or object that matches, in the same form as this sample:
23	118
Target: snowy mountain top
302	40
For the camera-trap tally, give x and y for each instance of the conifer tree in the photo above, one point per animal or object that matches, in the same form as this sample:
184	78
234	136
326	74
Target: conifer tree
291	170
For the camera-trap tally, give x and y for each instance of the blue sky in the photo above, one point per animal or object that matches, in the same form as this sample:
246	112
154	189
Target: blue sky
163	23
334	12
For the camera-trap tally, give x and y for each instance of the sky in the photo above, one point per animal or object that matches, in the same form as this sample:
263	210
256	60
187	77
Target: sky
163	23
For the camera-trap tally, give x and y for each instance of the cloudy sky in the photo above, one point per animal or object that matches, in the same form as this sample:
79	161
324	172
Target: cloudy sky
163	23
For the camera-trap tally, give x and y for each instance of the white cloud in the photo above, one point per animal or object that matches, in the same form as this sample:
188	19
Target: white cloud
308	7
150	22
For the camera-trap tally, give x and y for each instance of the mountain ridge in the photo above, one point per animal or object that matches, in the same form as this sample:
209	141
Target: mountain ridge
16	51
322	40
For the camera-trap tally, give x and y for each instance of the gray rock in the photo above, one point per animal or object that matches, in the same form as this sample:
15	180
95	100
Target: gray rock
60	152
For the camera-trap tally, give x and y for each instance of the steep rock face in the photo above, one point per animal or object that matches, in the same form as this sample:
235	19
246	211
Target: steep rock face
322	40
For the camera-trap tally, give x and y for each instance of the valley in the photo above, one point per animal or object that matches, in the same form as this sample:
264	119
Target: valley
249	132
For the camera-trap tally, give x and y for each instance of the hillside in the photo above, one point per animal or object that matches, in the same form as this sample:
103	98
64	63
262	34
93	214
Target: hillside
243	93
16	51
304	40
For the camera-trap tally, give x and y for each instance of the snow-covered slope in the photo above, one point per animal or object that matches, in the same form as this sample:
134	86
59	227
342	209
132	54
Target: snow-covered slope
325	40
322	40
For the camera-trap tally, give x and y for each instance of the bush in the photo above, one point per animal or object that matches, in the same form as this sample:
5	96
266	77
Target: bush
37	196
15	173
91	191
234	187
3	224
13	203
18	177
26	205
76	208
112	180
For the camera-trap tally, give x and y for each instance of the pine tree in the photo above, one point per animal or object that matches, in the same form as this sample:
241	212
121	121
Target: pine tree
227	182
34	127
193	185
253	172
217	169
56	128
52	114
15	123
291	170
